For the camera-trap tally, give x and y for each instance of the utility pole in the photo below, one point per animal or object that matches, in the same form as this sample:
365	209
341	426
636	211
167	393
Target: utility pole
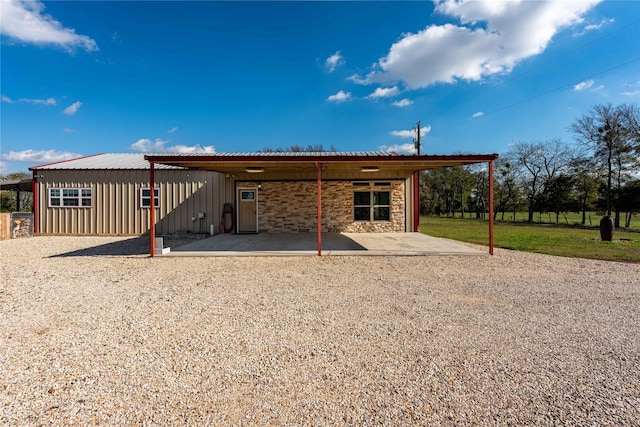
416	139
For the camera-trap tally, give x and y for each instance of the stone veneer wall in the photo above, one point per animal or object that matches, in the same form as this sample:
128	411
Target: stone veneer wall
291	206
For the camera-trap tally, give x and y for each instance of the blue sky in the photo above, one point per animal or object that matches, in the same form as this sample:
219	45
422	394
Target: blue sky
86	77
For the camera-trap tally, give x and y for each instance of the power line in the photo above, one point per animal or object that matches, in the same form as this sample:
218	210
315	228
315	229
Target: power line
562	55
551	61
572	83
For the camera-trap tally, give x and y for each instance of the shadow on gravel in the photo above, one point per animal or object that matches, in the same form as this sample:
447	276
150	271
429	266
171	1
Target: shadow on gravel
133	246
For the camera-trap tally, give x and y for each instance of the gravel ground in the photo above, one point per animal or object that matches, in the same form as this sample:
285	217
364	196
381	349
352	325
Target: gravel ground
92	331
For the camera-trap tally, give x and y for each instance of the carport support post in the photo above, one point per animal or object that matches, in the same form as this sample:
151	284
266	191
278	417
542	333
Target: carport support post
416	201
34	204
152	209
491	208
319	172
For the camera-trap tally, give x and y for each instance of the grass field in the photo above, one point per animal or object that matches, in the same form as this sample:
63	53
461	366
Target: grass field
561	240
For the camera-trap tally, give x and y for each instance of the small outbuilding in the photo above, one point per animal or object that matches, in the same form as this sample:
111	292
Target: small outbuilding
110	194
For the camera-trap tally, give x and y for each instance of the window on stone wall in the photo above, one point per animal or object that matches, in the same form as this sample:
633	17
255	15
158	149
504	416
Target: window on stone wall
70	197
372	206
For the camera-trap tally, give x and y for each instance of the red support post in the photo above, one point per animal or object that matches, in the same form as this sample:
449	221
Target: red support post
491	208
416	201
35	206
319	170
152	209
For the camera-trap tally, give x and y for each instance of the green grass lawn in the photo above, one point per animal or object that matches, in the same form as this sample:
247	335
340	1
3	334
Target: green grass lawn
562	240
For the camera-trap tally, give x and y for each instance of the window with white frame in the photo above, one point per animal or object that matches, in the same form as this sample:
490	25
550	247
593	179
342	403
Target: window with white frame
70	197
372	206
145	197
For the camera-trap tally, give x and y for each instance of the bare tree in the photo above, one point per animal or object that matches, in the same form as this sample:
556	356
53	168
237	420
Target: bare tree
529	157
295	148
611	135
539	162
506	186
586	183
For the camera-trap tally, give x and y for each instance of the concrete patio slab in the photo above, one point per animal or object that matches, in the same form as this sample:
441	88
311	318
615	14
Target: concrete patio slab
305	244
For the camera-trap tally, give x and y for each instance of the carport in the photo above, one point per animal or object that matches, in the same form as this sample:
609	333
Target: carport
334	244
319	166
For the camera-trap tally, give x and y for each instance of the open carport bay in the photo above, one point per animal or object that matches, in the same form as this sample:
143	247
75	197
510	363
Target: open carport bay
293	244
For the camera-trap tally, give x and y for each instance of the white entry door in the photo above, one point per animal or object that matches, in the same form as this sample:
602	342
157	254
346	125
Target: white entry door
247	210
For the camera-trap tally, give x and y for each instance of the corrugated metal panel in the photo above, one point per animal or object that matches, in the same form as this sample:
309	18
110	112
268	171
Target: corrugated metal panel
283	154
136	161
111	161
116	206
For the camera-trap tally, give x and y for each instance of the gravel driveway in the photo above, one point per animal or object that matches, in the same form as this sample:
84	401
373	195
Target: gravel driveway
92	331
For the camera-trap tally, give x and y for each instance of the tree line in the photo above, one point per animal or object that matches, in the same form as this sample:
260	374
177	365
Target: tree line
598	171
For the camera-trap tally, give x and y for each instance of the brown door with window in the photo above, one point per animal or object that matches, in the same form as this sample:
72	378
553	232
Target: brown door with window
247	210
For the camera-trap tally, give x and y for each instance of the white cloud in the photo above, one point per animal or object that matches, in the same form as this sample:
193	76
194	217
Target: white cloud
73	108
68	130
406	148
493	36
26	21
384	92
358	80
595	27
410	133
191	149
48	101
146	145
403	133
403	103
38	156
631	89
173	129
478	114
583	85
341	96
333	61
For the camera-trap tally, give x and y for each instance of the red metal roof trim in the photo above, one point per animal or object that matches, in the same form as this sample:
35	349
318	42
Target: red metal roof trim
315	157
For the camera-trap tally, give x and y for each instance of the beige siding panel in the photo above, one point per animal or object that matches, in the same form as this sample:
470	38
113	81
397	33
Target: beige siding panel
5	226
116	206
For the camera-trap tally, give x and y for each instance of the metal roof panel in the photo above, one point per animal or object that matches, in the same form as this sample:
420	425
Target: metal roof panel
133	161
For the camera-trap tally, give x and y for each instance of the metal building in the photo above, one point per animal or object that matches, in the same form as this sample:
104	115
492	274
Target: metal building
109	194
